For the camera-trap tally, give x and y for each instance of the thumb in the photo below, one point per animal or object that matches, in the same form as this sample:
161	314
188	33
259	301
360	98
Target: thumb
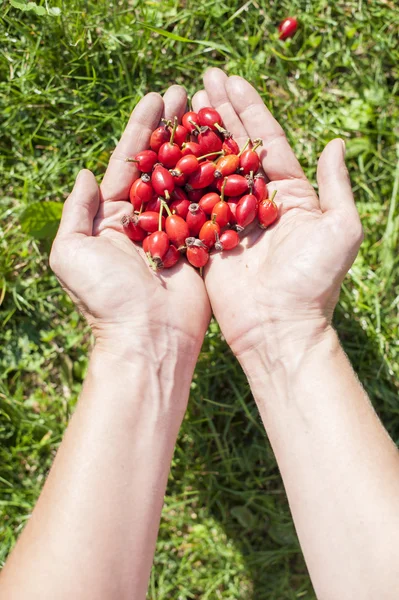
81	206
335	189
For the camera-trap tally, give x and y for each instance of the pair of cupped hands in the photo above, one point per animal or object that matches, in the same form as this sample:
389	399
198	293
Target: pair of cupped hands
286	276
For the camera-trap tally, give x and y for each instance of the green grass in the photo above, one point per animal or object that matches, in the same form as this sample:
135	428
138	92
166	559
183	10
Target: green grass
67	86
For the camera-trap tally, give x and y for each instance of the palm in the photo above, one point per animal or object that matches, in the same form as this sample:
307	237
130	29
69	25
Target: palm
122	289
294	268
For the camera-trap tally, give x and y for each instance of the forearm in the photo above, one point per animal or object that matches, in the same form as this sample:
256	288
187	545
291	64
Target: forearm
340	469
94	529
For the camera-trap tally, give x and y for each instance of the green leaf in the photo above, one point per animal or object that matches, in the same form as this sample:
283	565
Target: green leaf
20	5
54	11
357	146
179	38
41	219
38	10
244	516
283	533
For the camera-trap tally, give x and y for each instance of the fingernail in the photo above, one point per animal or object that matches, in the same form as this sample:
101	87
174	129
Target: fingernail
343	146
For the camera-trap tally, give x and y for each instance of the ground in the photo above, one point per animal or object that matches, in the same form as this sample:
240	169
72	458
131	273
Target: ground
68	80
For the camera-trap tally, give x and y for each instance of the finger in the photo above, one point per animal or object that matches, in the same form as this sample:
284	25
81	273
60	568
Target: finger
215	81
81	206
278	159
200	100
121	174
335	190
175	101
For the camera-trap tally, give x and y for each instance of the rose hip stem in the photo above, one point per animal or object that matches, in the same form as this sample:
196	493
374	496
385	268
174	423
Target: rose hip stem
222	190
166	207
211	154
258	142
160	217
172	136
221	129
245	146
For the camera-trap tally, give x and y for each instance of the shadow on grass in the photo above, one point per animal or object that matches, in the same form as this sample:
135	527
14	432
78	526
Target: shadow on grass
236	472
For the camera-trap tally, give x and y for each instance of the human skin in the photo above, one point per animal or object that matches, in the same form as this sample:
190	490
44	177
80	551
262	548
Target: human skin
274	303
93	531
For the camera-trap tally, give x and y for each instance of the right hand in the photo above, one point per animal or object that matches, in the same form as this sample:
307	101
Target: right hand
127	305
287	279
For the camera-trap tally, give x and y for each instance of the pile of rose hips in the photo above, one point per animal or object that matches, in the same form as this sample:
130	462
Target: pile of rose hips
197	191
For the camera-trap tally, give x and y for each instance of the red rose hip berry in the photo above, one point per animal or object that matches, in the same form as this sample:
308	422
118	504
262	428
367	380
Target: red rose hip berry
209	232
287	28
159	137
171	258
235	185
246	211
158	245
162	181
149	221
209	117
228	240
267	212
177	230
197	256
190	121
203	176
145	160
195	219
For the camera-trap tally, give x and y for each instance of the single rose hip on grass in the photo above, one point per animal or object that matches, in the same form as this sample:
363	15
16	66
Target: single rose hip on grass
287	28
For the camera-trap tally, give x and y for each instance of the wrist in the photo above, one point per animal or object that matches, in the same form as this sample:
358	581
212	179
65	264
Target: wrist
283	347
152	375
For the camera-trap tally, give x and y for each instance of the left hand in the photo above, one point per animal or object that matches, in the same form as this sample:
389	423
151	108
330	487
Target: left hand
281	284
